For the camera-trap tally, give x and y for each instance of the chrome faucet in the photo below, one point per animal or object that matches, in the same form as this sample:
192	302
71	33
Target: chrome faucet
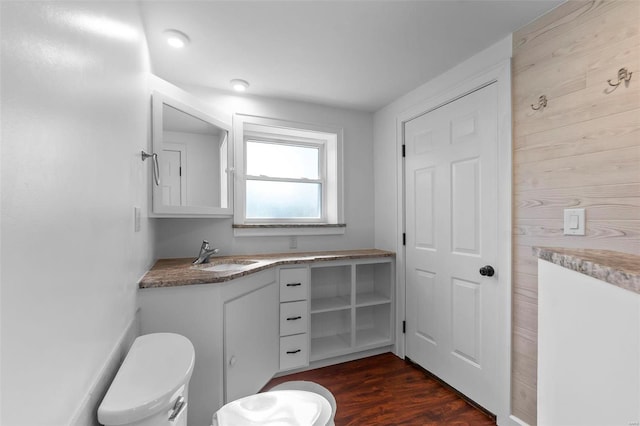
205	253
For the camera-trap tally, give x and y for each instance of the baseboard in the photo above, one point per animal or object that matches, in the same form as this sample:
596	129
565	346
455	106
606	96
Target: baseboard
337	360
86	414
515	421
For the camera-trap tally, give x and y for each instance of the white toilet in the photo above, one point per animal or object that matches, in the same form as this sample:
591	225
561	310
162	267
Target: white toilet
281	408
151	388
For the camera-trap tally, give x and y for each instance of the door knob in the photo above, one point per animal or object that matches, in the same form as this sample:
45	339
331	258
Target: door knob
487	271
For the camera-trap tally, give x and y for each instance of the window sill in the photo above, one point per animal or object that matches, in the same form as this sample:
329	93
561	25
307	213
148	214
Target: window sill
287	230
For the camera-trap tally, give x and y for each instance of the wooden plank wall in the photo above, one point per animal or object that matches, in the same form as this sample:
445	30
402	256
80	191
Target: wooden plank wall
581	151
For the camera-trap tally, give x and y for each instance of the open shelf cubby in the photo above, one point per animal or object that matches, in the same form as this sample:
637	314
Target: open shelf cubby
330	333
331	288
373	325
351	306
373	284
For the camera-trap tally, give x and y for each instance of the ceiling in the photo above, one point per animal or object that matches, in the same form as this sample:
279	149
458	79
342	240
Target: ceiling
352	54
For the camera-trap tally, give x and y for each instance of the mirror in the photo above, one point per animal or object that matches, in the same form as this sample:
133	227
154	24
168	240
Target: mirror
193	154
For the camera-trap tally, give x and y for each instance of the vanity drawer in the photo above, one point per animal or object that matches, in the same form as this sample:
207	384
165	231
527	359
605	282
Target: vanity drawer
293	318
294	351
294	284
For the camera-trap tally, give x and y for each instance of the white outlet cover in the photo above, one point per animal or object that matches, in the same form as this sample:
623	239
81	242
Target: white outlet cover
574	222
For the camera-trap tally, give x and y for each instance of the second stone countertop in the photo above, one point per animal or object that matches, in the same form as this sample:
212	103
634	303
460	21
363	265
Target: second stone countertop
180	272
616	268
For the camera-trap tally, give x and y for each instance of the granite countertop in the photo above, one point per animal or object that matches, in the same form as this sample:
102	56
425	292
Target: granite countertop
617	268
179	272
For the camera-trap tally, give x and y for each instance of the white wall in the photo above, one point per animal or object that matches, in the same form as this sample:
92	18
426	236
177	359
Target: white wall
182	237
386	143
75	111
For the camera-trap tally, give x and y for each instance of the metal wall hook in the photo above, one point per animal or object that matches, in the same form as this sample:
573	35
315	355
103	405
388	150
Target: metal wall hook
542	103
156	166
623	75
145	155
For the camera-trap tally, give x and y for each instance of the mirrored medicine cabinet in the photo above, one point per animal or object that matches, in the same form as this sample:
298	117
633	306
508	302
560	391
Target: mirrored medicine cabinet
192	157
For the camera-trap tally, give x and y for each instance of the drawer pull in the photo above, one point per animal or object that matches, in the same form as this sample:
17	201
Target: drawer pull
294	352
294	284
294	318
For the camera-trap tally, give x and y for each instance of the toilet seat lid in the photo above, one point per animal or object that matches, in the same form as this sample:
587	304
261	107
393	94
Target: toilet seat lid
282	408
149	380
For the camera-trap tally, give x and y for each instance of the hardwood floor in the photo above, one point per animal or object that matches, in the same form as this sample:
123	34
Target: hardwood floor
386	390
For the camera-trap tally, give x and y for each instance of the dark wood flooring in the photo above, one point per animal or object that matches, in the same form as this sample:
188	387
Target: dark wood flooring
386	390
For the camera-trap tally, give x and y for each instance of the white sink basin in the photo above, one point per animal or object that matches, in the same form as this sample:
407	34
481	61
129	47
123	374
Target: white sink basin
228	266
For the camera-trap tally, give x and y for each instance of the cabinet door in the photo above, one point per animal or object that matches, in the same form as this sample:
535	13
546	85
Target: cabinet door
251	341
192	158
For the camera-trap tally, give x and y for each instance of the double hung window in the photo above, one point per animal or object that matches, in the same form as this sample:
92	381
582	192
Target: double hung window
287	173
285	180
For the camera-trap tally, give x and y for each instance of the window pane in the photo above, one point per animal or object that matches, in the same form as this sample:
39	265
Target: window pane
283	161
283	200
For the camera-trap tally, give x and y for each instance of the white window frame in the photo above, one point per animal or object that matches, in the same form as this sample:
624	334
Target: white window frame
327	138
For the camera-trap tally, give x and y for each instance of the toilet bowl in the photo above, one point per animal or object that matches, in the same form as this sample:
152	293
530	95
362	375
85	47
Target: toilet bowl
282	408
292	403
151	389
304	385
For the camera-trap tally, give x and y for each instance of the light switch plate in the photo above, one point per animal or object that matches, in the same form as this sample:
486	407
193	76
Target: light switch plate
136	219
574	223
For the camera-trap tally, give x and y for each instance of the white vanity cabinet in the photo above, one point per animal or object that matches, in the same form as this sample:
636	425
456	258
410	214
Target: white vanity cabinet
335	308
283	318
234	328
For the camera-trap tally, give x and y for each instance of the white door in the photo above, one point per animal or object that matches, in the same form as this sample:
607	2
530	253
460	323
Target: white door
171	177
452	232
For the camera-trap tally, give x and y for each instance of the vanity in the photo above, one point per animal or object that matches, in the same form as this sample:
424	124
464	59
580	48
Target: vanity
588	337
251	318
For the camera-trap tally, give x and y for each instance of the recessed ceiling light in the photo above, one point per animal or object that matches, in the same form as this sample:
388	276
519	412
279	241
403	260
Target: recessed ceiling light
176	38
239	85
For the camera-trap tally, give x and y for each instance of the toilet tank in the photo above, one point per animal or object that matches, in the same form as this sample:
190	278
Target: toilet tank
151	386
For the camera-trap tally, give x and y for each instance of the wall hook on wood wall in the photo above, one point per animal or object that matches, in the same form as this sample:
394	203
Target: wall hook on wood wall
542	102
623	75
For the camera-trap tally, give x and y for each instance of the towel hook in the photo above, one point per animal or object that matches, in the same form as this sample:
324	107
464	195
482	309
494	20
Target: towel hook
623	75
542	103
